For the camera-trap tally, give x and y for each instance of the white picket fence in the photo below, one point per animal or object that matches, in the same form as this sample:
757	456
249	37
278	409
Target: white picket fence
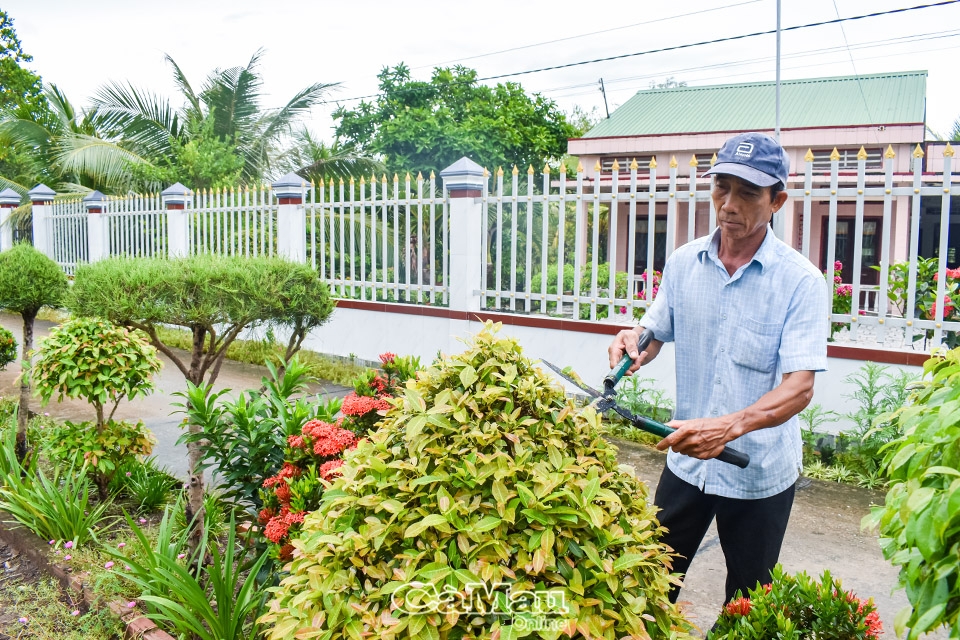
389	240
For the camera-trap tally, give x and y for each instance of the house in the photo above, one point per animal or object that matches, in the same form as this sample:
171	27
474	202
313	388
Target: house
878	112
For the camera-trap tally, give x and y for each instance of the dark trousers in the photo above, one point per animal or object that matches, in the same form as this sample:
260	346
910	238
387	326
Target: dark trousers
751	531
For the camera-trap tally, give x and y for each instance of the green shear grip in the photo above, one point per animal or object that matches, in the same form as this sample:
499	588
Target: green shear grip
618	372
654	427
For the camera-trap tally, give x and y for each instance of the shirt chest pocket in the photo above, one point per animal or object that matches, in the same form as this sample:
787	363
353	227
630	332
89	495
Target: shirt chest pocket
756	345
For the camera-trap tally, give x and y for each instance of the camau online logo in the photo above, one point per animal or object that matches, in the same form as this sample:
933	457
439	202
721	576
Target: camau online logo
530	610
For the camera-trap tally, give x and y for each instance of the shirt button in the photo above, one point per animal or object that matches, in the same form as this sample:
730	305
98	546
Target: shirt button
722	349
718	380
724	316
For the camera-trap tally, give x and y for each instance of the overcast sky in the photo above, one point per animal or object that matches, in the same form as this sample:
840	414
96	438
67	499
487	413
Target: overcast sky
81	45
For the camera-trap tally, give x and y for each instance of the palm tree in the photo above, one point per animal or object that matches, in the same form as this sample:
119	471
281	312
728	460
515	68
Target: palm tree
227	106
313	159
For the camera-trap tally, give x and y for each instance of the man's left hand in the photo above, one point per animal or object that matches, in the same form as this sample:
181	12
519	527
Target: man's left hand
702	438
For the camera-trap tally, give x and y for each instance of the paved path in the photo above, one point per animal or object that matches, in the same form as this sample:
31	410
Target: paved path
155	410
824	530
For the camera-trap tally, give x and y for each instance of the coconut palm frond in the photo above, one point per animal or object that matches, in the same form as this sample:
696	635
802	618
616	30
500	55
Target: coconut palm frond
283	119
232	96
16	130
7	183
103	161
194	111
141	118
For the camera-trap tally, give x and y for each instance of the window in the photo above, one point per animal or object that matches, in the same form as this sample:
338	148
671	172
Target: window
845	244
659	244
848	160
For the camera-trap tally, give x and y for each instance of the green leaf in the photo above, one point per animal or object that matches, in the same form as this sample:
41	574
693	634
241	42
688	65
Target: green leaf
433	520
468	375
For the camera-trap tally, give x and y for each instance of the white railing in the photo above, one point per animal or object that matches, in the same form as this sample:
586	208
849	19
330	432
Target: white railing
67	228
136	226
389	241
371	243
535	225
241	222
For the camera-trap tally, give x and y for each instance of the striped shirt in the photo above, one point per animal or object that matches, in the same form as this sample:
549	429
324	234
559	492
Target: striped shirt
735	338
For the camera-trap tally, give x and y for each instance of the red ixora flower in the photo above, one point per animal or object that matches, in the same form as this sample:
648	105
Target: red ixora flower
276	529
265	515
739	607
387	358
328	439
948	308
354	405
295	442
328	469
286	552
283	492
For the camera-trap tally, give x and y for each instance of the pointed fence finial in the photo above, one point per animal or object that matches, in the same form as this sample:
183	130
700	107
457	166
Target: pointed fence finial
633	165
693	161
809	156
433	176
546	169
835	155
713	159
615	167
407	177
948	152
499	172
419	176
653	162
918	152
579	167
597	167
563	167
486	174
862	154
363	181
516	171
351	180
530	170
891	154
341	181
673	162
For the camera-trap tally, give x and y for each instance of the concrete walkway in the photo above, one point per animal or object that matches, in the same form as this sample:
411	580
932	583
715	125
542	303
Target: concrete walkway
824	530
156	410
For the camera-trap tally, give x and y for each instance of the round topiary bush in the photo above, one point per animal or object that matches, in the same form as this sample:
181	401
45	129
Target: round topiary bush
485	506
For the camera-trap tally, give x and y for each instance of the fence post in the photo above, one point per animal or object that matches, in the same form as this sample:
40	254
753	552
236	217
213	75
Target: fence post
97	226
463	183
291	217
9	200
41	197
174	200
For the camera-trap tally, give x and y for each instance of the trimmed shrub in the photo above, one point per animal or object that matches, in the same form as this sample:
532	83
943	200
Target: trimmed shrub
486	505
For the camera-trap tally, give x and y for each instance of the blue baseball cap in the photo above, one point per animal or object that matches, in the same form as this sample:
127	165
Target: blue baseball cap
754	157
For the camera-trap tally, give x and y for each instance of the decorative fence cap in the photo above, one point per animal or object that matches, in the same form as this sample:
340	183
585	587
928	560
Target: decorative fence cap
41	193
463	175
290	185
9	198
94	200
175	194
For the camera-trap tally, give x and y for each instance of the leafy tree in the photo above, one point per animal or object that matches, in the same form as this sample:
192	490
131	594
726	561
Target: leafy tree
215	298
29	280
420	126
669	83
18	86
102	363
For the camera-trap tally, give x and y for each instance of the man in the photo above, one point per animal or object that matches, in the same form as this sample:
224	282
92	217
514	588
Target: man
748	315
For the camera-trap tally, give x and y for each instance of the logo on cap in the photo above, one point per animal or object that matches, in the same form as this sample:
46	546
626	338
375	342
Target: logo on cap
744	149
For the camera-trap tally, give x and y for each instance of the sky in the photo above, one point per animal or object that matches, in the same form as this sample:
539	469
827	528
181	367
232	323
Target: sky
82	45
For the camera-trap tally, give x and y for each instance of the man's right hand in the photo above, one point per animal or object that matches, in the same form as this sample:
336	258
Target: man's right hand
626	342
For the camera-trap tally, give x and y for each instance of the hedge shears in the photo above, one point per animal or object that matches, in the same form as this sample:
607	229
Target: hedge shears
607	401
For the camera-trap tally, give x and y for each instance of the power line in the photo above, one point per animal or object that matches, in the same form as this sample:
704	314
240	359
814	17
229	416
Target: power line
692	44
592	33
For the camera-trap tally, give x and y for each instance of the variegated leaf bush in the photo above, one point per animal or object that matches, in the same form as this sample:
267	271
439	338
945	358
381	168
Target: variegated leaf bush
486	505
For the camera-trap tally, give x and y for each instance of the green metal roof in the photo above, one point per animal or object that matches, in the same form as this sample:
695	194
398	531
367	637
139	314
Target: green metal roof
883	98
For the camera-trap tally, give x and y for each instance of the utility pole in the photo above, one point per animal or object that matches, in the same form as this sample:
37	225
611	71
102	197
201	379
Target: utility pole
604	92
777	133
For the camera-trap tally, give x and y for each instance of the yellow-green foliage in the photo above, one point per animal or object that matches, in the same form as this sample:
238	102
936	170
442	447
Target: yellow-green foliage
483	473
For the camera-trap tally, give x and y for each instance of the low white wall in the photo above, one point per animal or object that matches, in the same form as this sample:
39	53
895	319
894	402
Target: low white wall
366	334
